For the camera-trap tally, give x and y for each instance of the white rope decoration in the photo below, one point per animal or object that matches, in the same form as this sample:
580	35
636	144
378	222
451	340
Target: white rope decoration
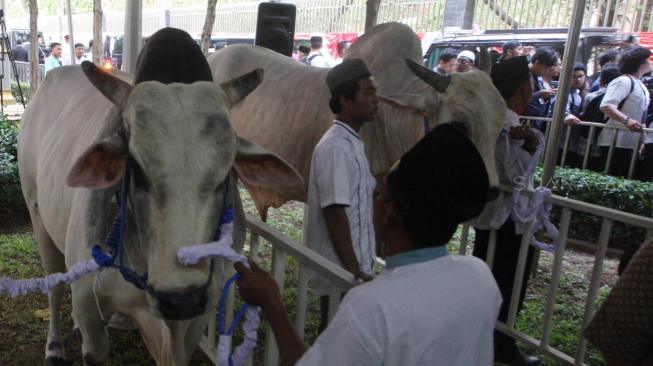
222	249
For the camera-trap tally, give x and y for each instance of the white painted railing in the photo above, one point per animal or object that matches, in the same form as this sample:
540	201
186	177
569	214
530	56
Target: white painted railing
282	247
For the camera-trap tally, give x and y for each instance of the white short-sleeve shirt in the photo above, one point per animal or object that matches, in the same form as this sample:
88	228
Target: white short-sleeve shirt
340	175
440	312
634	107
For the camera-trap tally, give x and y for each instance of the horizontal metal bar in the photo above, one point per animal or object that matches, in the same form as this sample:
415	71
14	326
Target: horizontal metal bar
331	271
593	209
534	344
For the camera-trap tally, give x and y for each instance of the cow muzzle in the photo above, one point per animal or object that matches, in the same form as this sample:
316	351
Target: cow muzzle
181	305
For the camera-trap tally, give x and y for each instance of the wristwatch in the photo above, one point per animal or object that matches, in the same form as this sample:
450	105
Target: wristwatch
625	121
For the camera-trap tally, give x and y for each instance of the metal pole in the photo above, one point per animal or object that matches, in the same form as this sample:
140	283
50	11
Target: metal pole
563	92
133	35
69	15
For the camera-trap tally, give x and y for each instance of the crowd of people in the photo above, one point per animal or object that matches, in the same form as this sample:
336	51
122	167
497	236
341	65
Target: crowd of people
57	54
618	94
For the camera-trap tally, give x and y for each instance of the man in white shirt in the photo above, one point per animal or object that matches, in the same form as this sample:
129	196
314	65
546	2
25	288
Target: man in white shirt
315	57
66	56
518	152
625	103
79	54
427	307
340	183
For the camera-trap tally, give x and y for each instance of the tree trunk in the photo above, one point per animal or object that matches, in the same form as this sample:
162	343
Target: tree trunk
33	47
371	13
69	13
97	33
208	27
510	21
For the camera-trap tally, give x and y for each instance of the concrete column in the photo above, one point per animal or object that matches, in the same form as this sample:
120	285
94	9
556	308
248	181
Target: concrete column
459	13
133	40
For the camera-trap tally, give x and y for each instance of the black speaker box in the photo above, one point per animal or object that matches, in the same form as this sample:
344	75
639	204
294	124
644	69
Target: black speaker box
275	27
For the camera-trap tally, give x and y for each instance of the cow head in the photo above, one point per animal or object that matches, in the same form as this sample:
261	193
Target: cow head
178	142
469	99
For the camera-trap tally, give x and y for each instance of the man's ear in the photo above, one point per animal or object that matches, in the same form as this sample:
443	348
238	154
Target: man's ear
407	102
101	166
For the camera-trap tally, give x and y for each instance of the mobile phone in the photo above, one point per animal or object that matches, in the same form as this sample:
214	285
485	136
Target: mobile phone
554	84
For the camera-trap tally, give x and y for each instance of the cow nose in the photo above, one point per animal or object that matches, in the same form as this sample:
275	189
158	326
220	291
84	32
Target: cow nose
182	305
492	193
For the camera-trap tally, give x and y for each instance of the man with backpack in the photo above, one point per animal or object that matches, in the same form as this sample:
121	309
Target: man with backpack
316	58
625	104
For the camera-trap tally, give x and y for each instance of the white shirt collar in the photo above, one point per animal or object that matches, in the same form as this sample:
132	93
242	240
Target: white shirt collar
347	128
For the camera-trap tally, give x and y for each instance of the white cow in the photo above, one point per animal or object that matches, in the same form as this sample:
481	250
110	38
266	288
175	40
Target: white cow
289	112
179	145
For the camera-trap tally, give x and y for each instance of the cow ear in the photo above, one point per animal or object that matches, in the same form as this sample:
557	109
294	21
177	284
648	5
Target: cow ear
239	87
407	102
265	171
113	87
101	166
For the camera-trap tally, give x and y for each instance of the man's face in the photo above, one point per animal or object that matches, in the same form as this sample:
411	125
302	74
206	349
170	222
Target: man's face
79	52
553	71
448	66
56	51
365	103
516	52
463	64
578	79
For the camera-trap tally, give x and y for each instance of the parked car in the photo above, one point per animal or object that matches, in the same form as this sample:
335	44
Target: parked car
219	41
592	41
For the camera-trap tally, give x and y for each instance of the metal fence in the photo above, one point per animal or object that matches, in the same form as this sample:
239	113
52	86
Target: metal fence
282	247
626	15
23	69
587	147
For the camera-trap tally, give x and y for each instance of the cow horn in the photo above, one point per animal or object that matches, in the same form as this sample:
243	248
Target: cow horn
437	81
485	61
112	87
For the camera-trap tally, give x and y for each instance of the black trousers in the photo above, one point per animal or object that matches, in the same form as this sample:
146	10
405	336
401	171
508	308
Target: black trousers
503	269
620	161
644	167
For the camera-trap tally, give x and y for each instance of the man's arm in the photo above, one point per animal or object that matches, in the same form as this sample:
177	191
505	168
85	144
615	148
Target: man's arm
340	235
258	288
613	112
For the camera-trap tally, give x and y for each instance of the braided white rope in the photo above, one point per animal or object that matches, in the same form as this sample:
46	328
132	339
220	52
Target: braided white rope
222	249
45	284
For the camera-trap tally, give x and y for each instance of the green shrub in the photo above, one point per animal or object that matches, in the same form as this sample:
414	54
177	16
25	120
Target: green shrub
25	88
617	193
11	196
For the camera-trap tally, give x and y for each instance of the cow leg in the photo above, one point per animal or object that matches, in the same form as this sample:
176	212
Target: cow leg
53	261
95	339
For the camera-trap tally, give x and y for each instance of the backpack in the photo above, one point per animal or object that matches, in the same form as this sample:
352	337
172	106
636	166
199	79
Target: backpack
308	60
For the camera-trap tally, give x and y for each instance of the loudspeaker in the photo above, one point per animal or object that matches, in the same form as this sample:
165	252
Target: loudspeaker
275	27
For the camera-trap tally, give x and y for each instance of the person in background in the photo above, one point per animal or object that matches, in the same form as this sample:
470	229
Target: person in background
510	49
446	62
79	54
343	46
66	56
427	307
573	110
518	151
544	65
19	52
592	113
54	60
302	54
626	103
609	57
465	61
315	57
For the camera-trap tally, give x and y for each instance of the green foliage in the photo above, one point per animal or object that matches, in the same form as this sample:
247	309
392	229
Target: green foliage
11	196
617	193
25	88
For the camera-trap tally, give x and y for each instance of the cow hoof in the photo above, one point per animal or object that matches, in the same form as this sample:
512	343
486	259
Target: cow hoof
56	361
90	361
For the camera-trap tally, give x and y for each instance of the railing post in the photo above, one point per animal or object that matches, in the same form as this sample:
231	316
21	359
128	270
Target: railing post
588	147
604	238
491	248
519	275
464	238
278	272
608	160
633	159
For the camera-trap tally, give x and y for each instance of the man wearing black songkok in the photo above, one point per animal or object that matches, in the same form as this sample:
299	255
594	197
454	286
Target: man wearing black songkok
426	307
517	154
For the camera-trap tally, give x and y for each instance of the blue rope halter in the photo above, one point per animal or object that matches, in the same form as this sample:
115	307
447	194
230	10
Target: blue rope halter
115	240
